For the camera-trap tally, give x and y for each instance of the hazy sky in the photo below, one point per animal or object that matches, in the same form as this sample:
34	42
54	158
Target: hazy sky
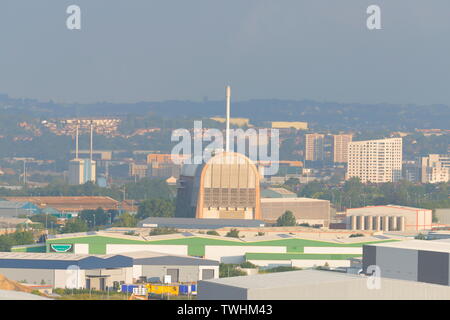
135	50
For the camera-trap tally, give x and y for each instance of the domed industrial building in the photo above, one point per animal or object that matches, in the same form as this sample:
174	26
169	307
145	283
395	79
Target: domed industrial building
225	187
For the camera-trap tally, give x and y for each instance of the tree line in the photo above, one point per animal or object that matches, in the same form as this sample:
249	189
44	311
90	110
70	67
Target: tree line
353	194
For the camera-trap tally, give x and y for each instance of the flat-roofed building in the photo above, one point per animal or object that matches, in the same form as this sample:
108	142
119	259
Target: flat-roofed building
340	147
163	170
442	215
314	147
298	125
305	210
82	171
240	122
376	161
435	168
166	157
137	170
66	270
414	260
277	193
14	222
14	209
154	266
316	285
411	171
70	204
389	218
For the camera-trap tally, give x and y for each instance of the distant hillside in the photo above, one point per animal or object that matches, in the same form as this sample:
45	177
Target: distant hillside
320	115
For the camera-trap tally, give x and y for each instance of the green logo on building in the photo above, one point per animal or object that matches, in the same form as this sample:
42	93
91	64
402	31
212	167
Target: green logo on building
61	247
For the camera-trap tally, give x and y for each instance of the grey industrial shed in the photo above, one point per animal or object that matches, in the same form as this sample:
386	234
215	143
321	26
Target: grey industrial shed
316	285
64	269
415	260
154	266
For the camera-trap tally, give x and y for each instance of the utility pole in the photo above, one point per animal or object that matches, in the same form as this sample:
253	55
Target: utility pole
25	171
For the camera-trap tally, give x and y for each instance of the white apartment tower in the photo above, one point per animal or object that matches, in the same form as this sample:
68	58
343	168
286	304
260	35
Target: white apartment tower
435	168
376	161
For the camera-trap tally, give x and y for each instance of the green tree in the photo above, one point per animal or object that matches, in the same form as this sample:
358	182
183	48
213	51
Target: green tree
248	264
155	208
162	230
230	270
212	233
75	225
147	188
421	236
286	220
96	217
126	220
356	235
15	239
233	233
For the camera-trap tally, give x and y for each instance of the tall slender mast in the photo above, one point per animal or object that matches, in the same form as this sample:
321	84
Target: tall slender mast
228	94
76	143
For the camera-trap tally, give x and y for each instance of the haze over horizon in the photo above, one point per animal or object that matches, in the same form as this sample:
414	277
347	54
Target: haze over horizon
158	50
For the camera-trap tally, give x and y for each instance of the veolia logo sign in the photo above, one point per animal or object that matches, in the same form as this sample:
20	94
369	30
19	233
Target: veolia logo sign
61	248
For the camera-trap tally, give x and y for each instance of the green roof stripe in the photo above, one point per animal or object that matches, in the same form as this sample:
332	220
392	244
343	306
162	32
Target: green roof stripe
196	245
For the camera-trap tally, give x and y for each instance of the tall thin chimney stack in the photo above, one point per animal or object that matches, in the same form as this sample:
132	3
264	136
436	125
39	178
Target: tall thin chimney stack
227	133
90	151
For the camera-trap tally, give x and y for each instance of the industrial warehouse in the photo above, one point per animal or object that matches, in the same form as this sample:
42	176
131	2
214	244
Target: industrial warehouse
414	260
67	270
316	285
389	218
104	272
264	251
314	212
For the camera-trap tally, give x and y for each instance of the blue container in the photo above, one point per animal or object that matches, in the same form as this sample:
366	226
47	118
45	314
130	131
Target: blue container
184	289
128	288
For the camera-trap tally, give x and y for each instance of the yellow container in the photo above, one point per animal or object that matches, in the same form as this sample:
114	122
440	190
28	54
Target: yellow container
163	289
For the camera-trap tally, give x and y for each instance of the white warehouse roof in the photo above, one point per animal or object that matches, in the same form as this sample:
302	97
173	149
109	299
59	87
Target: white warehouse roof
315	284
426	245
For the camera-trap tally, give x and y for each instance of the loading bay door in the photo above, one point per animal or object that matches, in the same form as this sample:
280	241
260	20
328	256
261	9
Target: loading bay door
174	274
207	274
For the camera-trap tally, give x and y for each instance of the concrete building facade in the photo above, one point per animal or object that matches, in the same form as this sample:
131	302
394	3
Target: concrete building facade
389	218
414	260
67	270
443	215
316	285
435	168
305	210
154	266
82	171
340	147
376	161
314	147
290	124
